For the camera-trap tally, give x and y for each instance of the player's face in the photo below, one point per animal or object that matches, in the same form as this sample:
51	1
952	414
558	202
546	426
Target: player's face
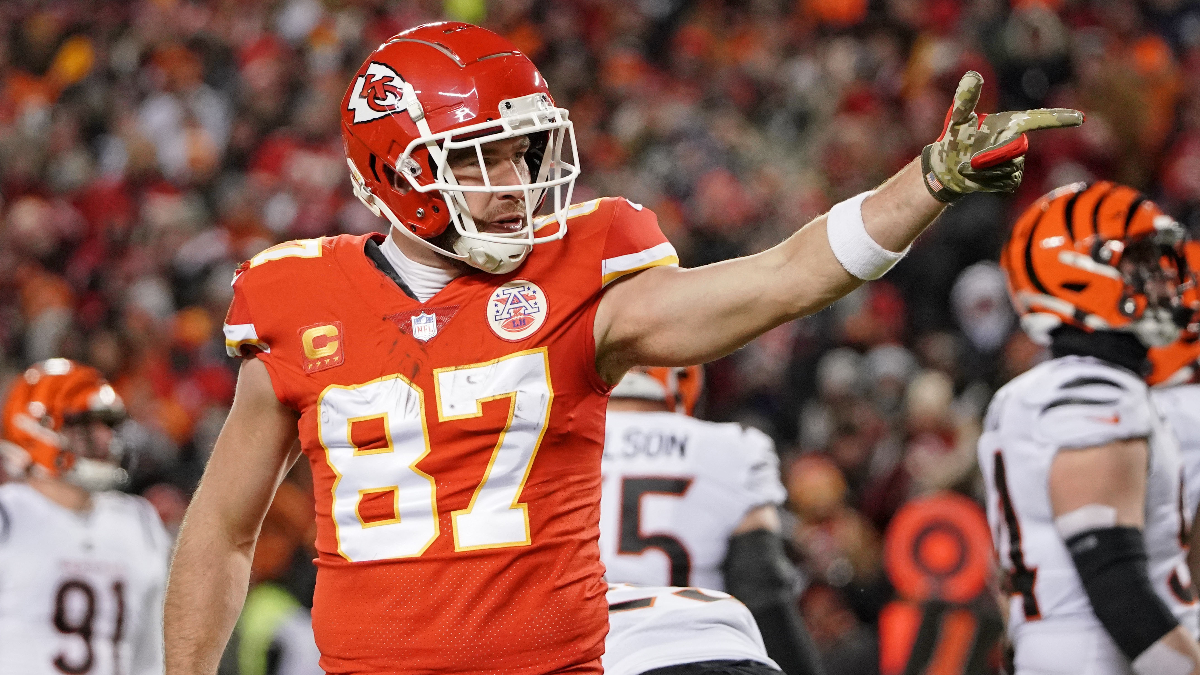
92	440
1151	271
495	212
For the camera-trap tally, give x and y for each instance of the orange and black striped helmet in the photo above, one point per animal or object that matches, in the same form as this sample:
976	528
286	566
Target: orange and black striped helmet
42	402
1179	362
678	388
1098	256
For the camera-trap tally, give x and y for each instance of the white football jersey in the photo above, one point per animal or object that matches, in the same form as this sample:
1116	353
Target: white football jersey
80	593
1181	406
1076	402
674	488
655	627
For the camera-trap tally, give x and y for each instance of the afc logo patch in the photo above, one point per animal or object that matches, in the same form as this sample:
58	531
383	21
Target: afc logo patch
380	92
324	346
517	310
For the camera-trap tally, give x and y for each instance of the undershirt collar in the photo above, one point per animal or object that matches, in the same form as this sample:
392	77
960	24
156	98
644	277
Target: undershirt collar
425	281
1116	347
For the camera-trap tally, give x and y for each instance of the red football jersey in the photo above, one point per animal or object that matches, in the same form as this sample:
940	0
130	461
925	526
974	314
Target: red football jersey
455	444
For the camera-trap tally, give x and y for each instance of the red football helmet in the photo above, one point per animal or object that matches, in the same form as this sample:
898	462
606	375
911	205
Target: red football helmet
678	388
1098	257
44	406
449	86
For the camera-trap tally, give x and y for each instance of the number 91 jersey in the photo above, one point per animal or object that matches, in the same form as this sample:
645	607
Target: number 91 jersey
80	592
455	444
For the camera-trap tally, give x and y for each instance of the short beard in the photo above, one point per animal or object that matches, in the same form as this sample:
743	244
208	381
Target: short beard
445	241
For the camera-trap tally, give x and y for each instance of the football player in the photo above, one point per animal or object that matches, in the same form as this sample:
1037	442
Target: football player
82	568
1175	378
1082	475
692	503
681	631
448	382
1176	393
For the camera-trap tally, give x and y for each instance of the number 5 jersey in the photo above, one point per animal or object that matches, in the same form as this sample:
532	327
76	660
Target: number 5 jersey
675	489
455	444
80	592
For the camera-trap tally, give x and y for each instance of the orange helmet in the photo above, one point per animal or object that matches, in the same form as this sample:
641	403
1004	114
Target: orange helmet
1179	362
678	388
1098	257
42	404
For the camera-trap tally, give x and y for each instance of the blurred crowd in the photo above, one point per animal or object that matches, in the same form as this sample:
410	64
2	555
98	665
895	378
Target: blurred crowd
148	147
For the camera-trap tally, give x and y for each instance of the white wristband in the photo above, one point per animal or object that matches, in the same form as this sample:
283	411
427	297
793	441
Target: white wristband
861	255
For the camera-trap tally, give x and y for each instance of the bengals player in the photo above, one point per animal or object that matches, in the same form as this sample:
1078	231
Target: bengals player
687	502
1176	395
682	631
82	568
448	381
1175	381
1082	474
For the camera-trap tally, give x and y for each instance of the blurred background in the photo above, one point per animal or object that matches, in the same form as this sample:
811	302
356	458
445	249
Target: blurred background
146	148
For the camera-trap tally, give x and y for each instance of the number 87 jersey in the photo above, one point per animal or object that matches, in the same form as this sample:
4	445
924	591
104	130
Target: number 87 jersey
455	444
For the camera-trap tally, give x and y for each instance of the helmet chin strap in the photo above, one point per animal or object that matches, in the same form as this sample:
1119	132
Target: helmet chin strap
90	474
489	256
95	476
1156	328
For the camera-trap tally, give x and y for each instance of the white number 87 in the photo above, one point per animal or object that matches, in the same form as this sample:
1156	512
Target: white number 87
494	518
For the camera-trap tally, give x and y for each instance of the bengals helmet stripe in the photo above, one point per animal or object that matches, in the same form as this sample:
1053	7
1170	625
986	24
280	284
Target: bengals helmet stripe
1084	254
1179	362
678	388
47	397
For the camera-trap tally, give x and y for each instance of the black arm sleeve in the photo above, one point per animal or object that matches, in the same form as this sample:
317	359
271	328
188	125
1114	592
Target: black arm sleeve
758	573
1112	564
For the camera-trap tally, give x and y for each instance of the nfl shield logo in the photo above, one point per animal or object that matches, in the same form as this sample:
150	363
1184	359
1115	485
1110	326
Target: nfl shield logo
424	326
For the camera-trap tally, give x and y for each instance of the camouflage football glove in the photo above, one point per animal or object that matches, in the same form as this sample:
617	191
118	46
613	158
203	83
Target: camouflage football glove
983	153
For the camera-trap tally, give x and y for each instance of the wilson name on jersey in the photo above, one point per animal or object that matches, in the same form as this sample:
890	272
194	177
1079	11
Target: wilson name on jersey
455	444
1075	402
675	488
655	627
80	593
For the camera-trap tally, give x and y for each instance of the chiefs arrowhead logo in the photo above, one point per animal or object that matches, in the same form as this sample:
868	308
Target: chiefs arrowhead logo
379	92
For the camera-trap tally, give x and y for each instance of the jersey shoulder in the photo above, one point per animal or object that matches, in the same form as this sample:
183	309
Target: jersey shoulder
1074	401
727	453
747	457
266	285
136	517
624	235
13	504
301	261
1180	405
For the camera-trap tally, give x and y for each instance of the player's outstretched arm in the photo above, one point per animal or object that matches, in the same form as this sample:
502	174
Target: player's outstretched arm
1098	498
211	567
671	316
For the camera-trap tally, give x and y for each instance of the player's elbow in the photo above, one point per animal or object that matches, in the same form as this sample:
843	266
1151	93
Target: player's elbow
216	526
